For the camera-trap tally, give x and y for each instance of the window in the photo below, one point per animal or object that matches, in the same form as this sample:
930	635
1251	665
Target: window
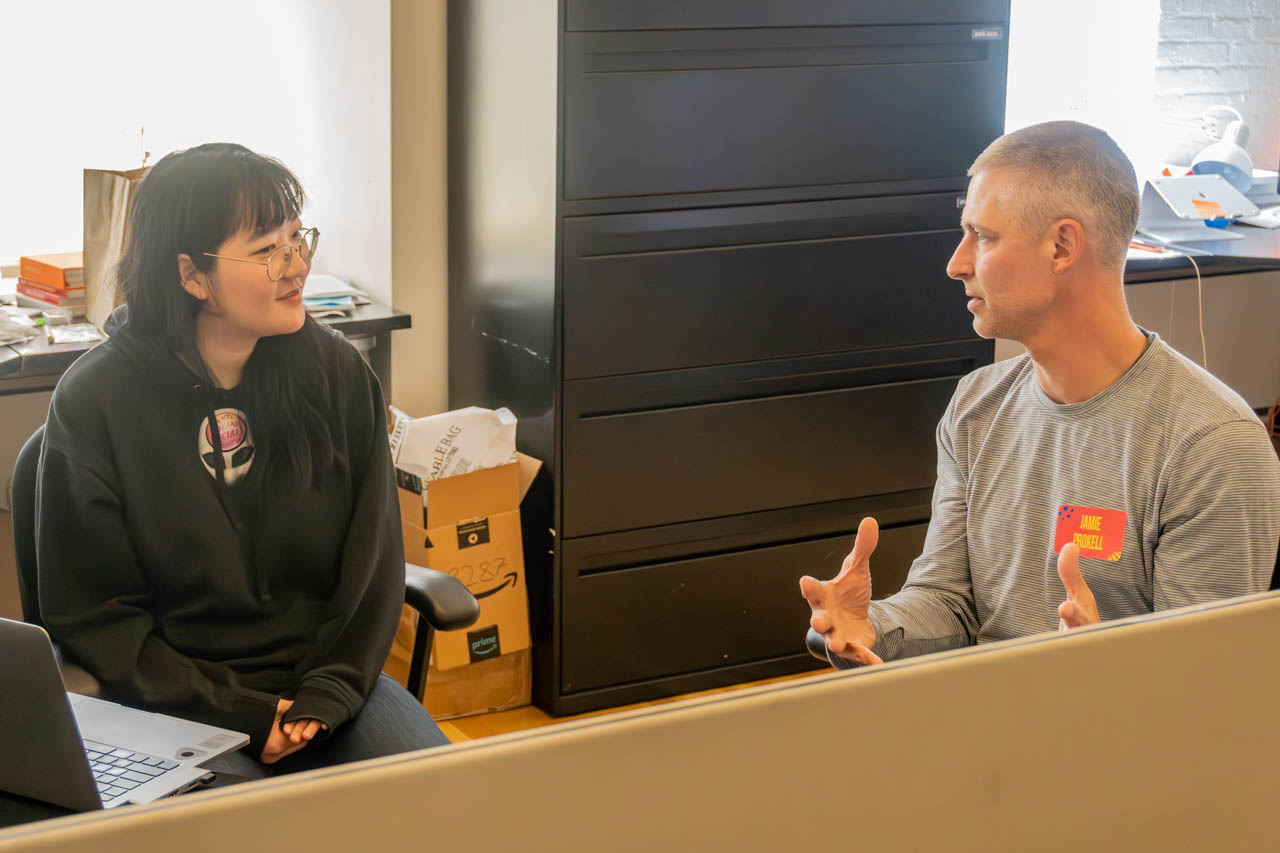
1093	61
93	85
1146	71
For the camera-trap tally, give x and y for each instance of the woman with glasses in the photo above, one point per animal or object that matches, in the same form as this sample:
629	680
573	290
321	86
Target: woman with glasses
218	533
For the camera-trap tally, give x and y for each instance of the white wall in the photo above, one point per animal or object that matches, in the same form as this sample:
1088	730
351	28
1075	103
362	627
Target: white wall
307	81
420	355
1146	70
1093	61
1219	52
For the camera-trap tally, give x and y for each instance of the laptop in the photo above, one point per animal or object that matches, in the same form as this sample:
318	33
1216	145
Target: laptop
84	753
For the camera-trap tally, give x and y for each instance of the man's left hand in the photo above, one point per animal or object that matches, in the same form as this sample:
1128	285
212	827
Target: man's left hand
1079	608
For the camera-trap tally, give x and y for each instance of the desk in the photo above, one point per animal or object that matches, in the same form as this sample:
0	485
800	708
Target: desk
36	365
1258	250
1239	305
1240	308
1182	754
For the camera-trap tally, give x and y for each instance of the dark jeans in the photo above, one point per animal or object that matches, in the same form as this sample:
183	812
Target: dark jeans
391	721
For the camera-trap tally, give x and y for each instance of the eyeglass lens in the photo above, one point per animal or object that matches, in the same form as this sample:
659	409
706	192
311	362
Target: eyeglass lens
279	261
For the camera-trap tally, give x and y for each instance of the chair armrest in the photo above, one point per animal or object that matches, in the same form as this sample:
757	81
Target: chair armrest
816	645
439	598
76	679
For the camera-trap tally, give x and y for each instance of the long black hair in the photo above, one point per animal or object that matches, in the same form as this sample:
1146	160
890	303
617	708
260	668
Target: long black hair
190	203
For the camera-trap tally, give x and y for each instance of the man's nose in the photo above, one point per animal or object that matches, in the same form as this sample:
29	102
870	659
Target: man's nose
960	266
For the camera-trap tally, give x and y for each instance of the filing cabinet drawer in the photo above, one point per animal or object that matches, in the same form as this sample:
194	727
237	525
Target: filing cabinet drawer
653	464
658	291
685	14
707	611
674	112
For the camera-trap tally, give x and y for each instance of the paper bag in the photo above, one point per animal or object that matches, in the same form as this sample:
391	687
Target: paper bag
107	196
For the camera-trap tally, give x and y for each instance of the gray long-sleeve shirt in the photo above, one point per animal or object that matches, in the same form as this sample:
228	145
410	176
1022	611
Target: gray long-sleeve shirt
1166	480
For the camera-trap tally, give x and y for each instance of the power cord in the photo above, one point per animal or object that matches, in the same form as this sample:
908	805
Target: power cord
1204	347
1173	293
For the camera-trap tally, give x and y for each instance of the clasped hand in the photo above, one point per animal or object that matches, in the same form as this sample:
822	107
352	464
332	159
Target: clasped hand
288	738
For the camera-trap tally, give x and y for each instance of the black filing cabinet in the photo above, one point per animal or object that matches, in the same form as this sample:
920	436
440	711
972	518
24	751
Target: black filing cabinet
698	246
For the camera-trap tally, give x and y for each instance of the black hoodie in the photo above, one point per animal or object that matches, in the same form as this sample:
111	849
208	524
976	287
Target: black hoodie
206	598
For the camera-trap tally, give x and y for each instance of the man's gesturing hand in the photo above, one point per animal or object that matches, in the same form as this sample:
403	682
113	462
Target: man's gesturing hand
1079	608
840	604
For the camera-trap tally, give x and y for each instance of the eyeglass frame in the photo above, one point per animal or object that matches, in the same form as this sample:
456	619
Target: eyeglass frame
266	262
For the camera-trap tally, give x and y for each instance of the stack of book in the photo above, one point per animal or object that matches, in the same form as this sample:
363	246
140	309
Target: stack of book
52	281
328	296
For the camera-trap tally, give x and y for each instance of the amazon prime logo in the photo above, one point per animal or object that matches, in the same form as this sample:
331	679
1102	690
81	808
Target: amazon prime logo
483	644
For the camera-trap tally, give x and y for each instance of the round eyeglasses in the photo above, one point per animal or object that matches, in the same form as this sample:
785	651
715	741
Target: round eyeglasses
281	257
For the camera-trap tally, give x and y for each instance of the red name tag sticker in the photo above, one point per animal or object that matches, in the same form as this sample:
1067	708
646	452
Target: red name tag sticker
1099	533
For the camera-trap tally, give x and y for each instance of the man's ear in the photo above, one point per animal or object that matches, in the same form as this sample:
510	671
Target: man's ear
1068	244
193	281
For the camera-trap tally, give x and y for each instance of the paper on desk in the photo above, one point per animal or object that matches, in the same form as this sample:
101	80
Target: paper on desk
319	286
75	333
1152	255
14	332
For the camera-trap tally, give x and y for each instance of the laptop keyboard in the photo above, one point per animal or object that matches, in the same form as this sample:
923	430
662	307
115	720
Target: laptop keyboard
119	771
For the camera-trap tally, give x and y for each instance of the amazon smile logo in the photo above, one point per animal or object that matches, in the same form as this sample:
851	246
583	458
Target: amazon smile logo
508	580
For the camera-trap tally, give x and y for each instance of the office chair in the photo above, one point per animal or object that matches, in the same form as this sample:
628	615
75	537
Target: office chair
817	646
440	600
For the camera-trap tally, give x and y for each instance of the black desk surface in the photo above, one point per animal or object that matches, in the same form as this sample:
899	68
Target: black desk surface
37	358
1258	250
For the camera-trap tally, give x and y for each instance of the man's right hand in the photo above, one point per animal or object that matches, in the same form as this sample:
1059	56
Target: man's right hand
278	743
840	605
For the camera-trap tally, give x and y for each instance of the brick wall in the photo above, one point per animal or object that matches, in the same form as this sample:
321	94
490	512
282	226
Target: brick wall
1218	52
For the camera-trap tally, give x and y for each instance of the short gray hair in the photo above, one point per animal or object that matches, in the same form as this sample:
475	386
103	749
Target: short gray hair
1069	170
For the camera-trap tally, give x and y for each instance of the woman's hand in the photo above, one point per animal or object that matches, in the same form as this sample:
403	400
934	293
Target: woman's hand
303	730
279	743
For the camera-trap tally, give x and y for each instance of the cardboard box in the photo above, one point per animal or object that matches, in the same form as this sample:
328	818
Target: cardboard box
469	526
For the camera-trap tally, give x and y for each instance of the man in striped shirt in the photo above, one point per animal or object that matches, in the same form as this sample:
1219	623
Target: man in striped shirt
1100	475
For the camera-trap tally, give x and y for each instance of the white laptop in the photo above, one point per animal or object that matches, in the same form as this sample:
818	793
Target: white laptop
83	753
1174	209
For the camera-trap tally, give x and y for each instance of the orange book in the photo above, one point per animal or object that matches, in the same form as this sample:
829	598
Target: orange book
63	270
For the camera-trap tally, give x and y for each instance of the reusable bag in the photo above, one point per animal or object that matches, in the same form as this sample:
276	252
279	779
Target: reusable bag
107	195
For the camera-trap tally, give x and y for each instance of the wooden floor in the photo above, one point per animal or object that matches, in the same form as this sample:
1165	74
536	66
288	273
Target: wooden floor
531	717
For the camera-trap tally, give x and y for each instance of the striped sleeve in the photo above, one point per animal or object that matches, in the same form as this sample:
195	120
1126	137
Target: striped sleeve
1219	520
934	610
